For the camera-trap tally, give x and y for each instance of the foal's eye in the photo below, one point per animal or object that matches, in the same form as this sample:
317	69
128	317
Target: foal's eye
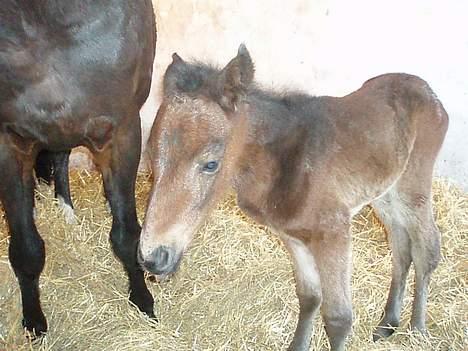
210	167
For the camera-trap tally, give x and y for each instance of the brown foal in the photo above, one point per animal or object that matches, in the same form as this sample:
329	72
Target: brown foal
302	165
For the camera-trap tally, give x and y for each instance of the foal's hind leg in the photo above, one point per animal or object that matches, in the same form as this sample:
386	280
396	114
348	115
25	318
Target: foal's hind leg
407	213
394	216
26	249
118	163
425	251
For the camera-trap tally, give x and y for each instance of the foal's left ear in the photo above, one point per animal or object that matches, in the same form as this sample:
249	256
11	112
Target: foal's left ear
234	80
180	77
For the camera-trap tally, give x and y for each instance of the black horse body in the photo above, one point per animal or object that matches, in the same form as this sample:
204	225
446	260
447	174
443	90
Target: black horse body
72	72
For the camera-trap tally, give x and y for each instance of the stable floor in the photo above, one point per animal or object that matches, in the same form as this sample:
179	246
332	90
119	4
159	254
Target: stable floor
234	289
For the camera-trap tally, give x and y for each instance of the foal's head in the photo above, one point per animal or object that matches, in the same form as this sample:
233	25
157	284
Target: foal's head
195	142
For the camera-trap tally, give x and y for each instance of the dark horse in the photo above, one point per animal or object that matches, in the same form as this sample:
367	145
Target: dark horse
72	72
304	166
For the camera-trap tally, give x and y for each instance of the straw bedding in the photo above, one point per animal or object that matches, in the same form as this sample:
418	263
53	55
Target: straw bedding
234	289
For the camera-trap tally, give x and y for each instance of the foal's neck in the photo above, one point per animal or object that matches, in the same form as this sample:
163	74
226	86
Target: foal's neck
280	142
280	120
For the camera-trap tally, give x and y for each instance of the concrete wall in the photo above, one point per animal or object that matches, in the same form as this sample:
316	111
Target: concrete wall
329	47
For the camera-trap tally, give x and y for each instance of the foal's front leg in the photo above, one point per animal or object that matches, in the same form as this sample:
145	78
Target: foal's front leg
119	163
333	257
26	250
308	291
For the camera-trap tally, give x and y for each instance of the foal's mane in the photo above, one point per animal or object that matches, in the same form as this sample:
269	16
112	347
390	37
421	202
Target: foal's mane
198	78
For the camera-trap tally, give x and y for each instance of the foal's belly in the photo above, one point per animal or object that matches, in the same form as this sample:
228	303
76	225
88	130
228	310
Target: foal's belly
357	191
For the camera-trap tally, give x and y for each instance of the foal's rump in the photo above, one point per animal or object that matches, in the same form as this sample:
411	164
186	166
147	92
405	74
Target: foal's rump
392	122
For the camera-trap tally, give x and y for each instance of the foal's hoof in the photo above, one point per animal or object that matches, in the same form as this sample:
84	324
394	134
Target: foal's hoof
382	332
419	327
36	328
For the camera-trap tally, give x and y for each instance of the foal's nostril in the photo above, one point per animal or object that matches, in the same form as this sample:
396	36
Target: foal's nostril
160	261
161	257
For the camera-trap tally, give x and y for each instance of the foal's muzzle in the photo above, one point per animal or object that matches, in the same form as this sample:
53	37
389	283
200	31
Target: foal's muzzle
163	260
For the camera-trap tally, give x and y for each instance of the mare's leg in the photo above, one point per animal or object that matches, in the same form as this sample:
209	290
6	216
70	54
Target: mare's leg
118	162
62	184
333	257
44	166
50	166
26	250
308	291
392	212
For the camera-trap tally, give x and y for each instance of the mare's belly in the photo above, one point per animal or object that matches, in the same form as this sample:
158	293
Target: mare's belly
58	113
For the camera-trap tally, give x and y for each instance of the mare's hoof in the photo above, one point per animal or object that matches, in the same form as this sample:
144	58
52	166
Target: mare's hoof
151	315
152	278
36	328
145	302
67	210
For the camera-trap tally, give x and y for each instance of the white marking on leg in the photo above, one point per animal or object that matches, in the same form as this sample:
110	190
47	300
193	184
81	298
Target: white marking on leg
308	289
67	210
306	269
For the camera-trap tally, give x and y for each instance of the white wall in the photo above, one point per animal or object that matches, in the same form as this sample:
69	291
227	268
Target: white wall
329	47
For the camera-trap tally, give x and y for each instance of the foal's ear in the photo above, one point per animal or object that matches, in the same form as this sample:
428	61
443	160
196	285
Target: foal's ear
176	58
179	77
234	80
